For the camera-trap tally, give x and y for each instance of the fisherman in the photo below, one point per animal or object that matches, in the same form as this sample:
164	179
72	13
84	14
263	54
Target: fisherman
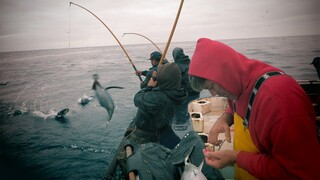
275	134
155	57
156	108
182	114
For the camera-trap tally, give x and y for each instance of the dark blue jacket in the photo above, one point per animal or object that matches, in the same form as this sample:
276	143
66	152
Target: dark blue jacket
156	107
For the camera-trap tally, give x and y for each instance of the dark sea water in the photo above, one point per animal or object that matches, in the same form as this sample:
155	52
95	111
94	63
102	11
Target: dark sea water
40	83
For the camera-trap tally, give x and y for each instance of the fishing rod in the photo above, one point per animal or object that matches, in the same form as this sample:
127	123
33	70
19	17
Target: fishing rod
145	38
171	34
134	67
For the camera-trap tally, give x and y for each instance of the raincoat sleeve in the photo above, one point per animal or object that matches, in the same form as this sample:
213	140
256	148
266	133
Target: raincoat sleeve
147	99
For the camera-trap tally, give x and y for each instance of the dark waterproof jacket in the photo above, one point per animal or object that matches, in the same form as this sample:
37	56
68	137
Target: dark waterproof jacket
148	74
156	107
152	161
183	61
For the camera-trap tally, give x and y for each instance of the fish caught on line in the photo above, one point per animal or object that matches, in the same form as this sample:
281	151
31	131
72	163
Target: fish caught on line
104	97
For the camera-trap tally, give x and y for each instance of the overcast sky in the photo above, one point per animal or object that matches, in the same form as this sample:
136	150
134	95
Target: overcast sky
47	24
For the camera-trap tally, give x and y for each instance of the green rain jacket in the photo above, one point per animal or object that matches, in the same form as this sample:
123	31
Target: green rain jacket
183	61
156	107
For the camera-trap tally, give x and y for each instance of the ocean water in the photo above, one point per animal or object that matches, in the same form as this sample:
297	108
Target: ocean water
35	85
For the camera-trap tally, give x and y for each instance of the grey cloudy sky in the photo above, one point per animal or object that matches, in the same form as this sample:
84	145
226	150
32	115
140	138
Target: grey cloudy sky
47	24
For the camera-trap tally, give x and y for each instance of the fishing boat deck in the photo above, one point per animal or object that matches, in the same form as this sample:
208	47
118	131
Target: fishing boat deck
204	113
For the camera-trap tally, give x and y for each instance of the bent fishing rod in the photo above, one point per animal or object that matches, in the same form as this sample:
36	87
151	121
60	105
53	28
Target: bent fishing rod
171	34
145	38
134	67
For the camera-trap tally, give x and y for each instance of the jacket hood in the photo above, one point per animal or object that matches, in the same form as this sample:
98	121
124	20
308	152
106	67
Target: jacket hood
169	77
179	56
181	59
215	61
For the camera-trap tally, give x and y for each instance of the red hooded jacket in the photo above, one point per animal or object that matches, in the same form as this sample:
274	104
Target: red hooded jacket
282	121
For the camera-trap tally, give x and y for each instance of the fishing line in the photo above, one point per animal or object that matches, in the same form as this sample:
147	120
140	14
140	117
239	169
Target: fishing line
69	32
134	67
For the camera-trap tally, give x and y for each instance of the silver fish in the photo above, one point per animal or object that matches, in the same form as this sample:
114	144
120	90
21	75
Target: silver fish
104	97
192	172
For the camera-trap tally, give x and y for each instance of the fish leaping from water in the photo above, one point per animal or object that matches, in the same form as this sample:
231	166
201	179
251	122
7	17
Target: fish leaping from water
192	172
84	100
104	97
60	115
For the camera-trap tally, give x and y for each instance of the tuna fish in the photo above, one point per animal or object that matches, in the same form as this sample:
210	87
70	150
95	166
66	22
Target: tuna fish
104	97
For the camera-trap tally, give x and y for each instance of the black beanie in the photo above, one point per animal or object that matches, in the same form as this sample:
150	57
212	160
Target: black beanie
169	77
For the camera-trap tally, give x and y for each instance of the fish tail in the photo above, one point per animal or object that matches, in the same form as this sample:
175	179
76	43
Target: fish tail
110	113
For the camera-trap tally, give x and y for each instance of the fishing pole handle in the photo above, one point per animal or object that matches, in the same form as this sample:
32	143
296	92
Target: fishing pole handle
134	67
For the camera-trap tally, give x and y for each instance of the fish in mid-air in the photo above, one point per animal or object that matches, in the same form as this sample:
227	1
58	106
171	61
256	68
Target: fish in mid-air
104	97
192	172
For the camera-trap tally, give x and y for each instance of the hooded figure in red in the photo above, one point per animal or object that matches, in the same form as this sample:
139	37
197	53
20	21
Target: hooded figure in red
280	141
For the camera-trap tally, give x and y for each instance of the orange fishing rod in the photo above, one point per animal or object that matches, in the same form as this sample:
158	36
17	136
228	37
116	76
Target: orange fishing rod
171	34
134	67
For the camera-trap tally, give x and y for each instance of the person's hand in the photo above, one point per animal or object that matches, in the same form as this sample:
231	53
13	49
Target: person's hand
220	126
138	73
154	75
152	82
220	159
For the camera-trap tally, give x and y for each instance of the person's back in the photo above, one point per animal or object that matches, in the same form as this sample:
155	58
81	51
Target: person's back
183	61
182	114
156	106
